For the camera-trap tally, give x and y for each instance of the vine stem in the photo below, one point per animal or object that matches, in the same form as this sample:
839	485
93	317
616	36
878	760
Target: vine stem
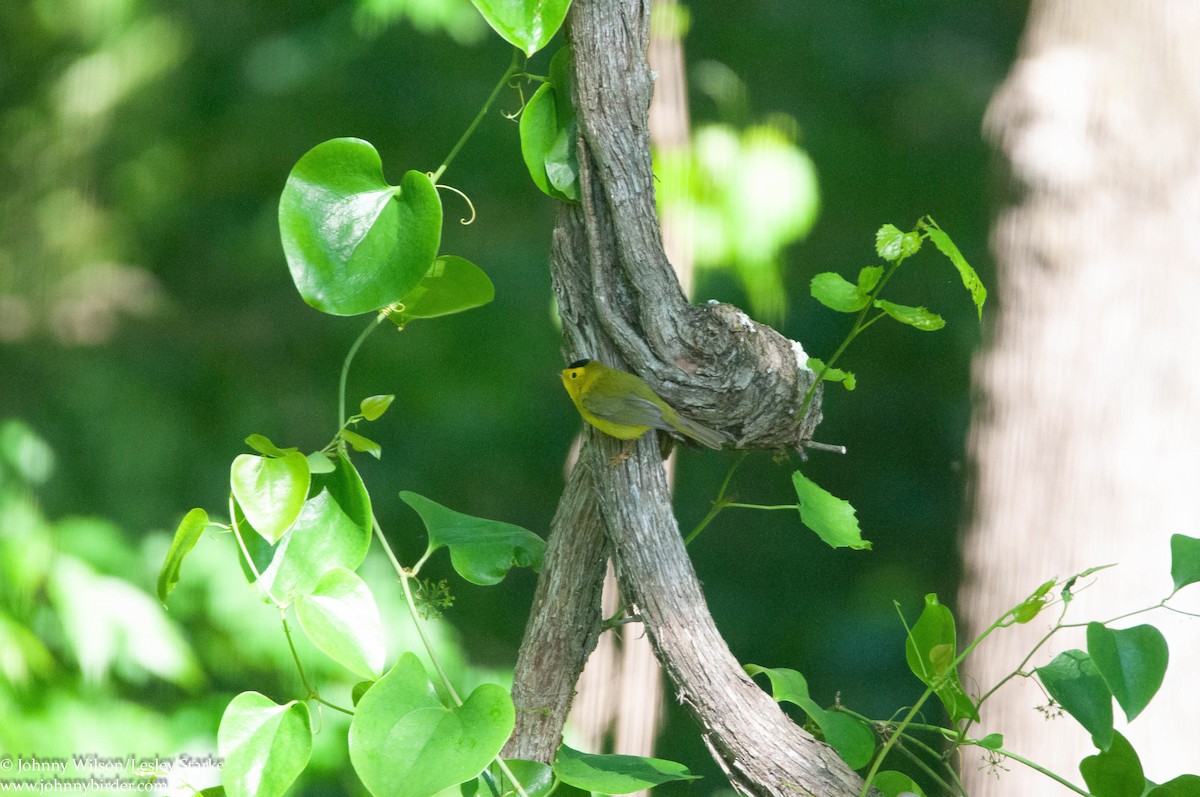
406	576
718	504
354	347
514	68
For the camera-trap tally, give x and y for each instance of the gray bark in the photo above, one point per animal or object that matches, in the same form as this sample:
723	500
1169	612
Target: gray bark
620	303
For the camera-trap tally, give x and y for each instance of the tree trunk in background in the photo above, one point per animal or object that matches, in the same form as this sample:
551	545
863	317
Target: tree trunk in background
1086	442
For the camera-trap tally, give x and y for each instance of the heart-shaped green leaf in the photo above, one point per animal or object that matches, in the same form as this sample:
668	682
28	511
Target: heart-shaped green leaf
1115	772
896	784
829	516
930	652
615	774
891	243
270	490
405	743
1073	680
342	620
482	551
526	24
265	745
355	244
1132	662
451	286
186	536
373	407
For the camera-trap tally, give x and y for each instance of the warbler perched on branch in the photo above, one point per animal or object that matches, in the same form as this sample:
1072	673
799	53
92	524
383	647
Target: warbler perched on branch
620	404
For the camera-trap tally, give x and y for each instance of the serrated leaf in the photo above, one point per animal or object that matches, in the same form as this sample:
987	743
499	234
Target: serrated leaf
1073	680
970	279
453	285
616	774
1132	661
265	746
1185	560
354	243
836	293
187	534
917	317
831	518
851	738
270	490
892	244
362	444
405	743
817	366
526	24
1115	772
340	617
930	650
373	407
868	278
482	551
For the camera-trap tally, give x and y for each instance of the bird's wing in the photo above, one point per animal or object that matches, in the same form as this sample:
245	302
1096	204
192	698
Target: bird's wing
629	410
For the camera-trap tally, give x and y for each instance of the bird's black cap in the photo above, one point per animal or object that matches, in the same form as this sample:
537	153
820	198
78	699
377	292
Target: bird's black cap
579	363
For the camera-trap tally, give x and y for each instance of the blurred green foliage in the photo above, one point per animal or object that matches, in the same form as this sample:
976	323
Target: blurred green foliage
148	324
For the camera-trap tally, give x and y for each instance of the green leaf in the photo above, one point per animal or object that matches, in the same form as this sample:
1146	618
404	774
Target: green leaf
536	778
1073	680
482	551
892	244
187	534
548	132
358	690
405	743
970	279
333	530
892	784
263	445
930	650
342	620
993	741
831	518
615	774
362	444
319	462
850	737
1182	786
1185	560
452	285
526	24
1132	662
836	293
868	278
373	407
355	244
817	366
1114	772
917	317
1032	606
265	746
271	491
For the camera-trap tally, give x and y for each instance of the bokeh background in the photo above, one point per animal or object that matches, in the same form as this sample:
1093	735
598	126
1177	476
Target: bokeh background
148	324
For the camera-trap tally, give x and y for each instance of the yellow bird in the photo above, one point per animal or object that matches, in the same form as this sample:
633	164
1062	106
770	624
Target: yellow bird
620	404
